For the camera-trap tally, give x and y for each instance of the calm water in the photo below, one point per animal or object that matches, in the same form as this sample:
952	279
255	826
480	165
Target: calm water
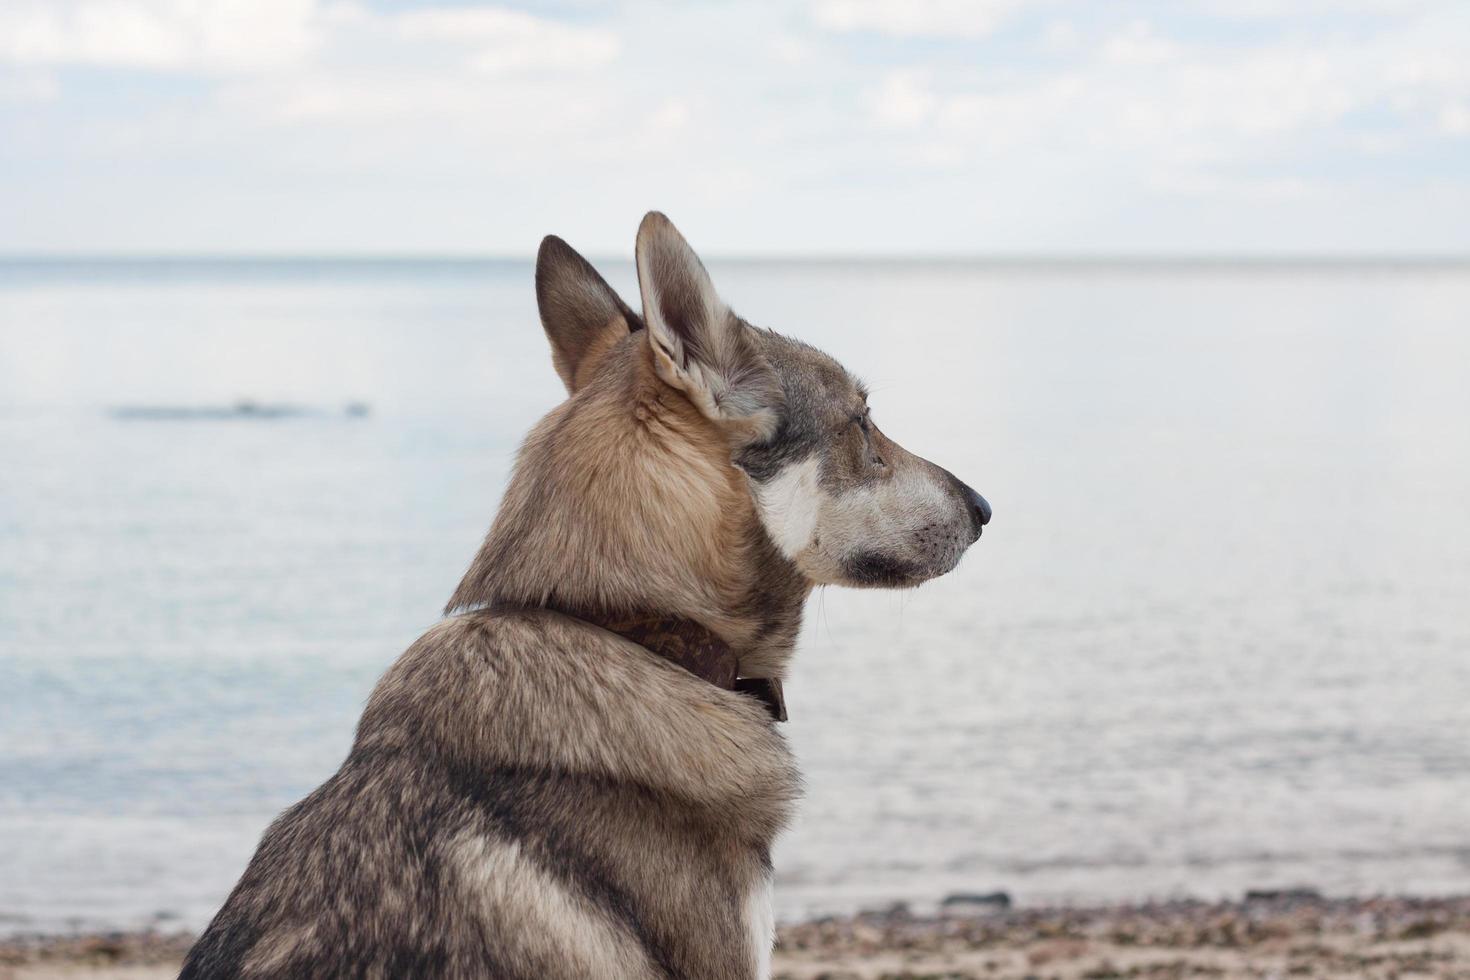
1217	636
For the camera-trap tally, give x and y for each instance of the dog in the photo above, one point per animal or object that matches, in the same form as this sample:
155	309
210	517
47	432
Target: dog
578	773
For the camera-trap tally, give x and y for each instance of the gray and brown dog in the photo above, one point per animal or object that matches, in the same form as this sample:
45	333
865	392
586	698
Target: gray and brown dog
578	774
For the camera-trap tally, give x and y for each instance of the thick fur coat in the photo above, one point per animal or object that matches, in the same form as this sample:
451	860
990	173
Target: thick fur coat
530	796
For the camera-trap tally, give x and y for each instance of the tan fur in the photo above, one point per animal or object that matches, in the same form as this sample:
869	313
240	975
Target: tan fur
270	956
551	924
597	350
620	509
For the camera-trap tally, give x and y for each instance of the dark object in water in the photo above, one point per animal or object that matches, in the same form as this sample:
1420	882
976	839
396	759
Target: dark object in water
245	409
976	901
892	912
1283	895
239	410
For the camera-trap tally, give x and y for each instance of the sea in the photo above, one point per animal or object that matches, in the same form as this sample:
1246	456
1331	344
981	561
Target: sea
1216	637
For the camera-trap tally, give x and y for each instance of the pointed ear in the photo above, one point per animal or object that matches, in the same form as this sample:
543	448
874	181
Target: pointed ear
699	346
581	314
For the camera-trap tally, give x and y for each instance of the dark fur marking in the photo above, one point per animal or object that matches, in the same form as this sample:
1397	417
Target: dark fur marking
223	947
817	395
875	569
524	804
310	858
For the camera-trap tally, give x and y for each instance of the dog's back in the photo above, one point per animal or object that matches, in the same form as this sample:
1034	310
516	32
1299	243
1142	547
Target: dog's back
510	809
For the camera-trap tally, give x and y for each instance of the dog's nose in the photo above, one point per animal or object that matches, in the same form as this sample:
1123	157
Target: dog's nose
979	506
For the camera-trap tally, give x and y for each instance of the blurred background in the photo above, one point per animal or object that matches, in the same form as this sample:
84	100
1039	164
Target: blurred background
1183	289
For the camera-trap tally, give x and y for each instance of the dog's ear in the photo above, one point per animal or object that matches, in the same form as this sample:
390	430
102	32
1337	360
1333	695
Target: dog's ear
699	346
581	314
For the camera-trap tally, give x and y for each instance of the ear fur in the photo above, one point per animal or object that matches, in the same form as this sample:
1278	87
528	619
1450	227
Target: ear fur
699	345
582	315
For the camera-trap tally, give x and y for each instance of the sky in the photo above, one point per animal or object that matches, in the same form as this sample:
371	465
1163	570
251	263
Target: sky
791	127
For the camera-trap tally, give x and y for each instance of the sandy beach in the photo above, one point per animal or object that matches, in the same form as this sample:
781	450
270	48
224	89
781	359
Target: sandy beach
1286	935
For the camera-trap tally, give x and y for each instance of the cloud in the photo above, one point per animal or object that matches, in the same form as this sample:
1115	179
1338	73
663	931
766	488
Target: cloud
1455	119
1268	10
510	40
915	18
904	100
487	71
1138	95
264	36
1138	44
162	35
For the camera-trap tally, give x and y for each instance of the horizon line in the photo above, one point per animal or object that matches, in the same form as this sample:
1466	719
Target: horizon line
999	258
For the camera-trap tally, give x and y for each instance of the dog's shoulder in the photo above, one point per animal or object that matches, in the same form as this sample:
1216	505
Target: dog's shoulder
539	690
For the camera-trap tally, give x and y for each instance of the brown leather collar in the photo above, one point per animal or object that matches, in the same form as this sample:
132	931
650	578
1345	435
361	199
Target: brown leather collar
689	645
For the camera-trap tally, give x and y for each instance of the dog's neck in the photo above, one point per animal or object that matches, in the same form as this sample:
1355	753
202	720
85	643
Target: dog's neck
680	641
691	646
624	498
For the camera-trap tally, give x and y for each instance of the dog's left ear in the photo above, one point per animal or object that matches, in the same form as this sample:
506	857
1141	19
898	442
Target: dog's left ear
582	315
699	345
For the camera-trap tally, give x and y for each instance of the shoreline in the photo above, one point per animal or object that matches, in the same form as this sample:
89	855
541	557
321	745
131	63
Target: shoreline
1291	933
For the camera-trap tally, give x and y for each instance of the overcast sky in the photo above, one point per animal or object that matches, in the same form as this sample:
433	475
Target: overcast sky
880	126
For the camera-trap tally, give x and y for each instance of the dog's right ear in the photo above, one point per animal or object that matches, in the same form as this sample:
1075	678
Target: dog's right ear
582	315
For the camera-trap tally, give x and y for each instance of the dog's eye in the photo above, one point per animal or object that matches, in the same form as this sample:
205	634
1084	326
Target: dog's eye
861	421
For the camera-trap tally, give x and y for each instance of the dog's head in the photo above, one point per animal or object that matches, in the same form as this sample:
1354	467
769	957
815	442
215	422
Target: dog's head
846	504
